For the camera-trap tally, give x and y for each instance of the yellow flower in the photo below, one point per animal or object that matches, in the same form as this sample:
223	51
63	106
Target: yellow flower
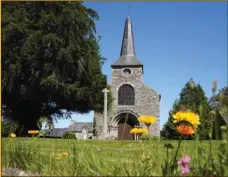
64	153
57	158
33	132
188	117
139	131
134	131
148	120
12	135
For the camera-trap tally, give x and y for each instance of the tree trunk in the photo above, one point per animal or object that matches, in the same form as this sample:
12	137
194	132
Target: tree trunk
27	115
25	125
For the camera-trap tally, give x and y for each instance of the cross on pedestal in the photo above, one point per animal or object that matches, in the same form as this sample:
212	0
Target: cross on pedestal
105	126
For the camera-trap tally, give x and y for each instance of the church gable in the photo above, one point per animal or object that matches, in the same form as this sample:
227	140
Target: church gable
131	97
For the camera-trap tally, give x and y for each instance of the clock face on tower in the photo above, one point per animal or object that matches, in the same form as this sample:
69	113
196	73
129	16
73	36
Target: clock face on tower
126	72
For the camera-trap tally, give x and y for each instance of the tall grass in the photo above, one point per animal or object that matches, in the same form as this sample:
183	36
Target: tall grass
98	158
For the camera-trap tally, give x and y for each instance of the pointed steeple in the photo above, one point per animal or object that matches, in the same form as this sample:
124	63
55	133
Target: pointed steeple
127	54
128	47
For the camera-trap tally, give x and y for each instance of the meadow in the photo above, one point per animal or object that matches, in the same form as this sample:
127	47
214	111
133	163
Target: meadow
63	157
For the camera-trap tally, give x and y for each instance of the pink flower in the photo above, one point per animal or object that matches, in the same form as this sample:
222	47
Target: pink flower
185	160
184	170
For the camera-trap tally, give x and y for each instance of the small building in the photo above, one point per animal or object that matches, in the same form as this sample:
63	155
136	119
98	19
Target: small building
82	130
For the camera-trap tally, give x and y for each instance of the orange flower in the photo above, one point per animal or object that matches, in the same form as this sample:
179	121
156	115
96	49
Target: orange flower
185	129
33	132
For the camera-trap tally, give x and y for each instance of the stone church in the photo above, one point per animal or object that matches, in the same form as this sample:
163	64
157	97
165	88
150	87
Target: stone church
131	97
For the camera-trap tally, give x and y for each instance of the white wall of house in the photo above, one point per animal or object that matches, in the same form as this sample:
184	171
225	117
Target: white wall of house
84	134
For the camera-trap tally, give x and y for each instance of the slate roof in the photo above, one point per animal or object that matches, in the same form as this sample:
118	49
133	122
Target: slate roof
127	61
127	54
76	127
57	132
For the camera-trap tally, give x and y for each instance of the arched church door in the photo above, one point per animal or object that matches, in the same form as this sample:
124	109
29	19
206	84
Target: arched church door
124	127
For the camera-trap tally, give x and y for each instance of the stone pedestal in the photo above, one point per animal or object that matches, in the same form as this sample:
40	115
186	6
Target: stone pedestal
114	131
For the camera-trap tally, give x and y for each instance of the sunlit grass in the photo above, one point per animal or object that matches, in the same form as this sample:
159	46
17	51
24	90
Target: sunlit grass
91	157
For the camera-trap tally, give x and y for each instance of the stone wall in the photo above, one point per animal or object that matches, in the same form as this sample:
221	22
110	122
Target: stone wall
147	101
80	135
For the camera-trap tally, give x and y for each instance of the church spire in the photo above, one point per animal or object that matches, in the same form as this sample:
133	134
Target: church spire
128	47
127	53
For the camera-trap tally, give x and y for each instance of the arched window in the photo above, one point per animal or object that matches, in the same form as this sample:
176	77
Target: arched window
126	95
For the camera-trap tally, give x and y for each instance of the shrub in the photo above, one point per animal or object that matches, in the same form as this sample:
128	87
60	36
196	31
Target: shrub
69	135
8	127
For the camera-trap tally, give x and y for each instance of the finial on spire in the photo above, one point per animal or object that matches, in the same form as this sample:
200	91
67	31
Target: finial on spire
128	10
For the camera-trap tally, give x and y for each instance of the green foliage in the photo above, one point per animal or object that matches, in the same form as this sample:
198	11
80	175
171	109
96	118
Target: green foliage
148	137
170	166
40	122
215	163
219	104
49	125
191	97
69	135
205	162
222	98
22	156
8	127
51	60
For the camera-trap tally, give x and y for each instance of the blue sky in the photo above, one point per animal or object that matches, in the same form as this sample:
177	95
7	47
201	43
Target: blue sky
175	41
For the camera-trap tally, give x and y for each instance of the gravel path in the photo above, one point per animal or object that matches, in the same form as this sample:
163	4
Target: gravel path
17	172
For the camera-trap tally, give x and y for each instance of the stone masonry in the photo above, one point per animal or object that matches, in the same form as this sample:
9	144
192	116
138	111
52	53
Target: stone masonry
128	70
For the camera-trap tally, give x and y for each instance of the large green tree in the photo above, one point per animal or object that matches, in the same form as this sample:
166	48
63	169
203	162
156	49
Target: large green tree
169	130
51	61
192	97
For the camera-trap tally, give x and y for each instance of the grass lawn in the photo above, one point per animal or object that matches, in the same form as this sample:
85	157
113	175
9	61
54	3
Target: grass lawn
97	158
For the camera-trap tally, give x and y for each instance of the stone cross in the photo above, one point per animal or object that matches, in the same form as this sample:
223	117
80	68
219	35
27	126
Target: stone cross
105	126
